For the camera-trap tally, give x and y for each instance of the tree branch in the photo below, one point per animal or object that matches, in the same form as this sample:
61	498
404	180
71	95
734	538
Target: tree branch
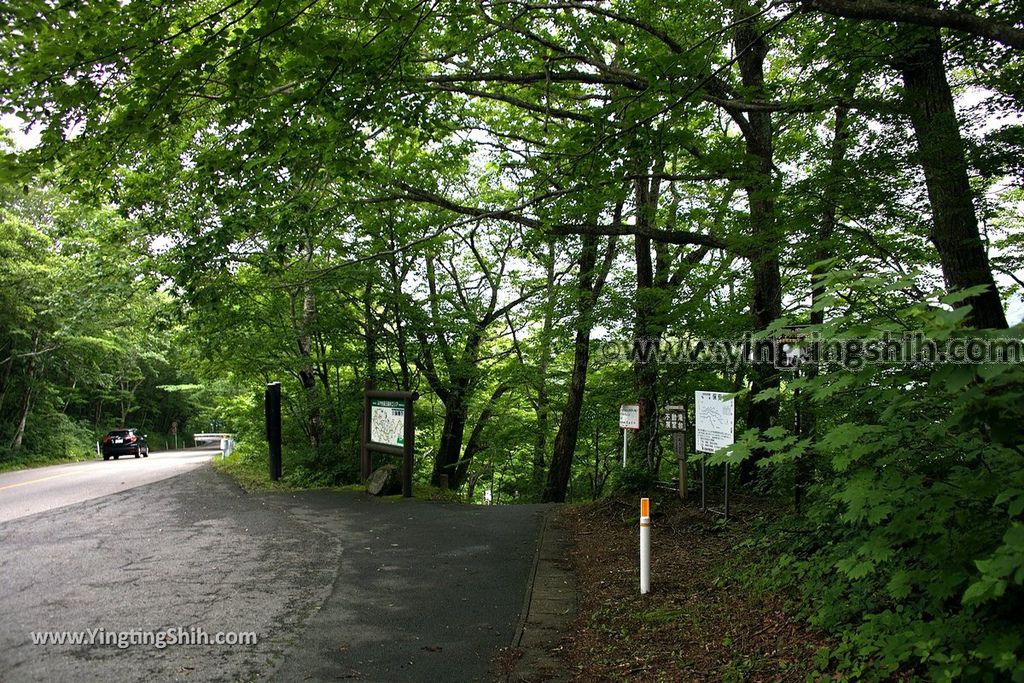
656	234
922	15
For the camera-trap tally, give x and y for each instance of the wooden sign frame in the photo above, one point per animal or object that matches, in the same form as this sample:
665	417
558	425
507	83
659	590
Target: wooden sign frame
406	450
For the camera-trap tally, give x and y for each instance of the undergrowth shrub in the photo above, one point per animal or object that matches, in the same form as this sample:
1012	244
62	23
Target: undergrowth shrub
910	551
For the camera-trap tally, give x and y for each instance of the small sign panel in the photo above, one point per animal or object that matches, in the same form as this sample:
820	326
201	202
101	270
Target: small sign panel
674	419
387	422
629	416
792	348
716	418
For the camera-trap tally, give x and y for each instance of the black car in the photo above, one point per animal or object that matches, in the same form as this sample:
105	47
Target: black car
124	442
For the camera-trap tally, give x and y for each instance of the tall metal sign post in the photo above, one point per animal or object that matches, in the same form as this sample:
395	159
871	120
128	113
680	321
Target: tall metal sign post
272	403
677	423
716	420
629	418
389	427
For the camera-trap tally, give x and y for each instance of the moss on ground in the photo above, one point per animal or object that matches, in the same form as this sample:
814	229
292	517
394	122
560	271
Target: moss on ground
253	476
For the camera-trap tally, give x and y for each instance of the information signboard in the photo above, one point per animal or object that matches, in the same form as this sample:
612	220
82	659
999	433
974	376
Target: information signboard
629	416
388	427
387	422
716	417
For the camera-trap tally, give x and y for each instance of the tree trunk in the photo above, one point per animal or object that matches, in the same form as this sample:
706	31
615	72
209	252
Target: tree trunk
5	382
26	399
940	148
67	401
647	335
471	488
26	407
475	444
540	443
307	375
323	371
590	285
829	208
807	418
560	469
370	329
456	397
400	335
649	321
450	450
752	49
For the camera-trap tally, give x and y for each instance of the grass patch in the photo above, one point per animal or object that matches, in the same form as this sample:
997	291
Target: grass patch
32	462
423	492
252	473
661	616
249	474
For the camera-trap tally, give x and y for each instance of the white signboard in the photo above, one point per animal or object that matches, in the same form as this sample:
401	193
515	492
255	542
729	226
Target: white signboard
629	416
716	418
387	422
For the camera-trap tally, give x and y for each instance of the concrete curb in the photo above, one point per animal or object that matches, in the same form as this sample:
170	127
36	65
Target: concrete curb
549	608
524	612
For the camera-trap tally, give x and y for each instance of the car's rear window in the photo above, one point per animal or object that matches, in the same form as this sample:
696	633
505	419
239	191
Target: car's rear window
120	432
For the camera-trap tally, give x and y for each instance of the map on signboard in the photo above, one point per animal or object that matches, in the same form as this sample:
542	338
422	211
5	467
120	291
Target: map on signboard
629	416
716	417
387	422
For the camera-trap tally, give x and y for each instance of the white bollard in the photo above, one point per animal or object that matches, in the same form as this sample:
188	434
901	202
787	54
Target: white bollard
645	546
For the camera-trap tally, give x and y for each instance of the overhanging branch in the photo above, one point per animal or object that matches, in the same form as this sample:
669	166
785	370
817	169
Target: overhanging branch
922	15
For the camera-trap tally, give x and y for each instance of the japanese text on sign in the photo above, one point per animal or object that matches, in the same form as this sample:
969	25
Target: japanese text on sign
629	416
715	420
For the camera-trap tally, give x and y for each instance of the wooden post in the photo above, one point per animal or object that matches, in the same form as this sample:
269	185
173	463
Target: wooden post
273	415
365	464
676	421
410	442
683	454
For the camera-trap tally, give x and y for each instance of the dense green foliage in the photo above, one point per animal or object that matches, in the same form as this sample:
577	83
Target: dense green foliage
88	342
497	204
911	545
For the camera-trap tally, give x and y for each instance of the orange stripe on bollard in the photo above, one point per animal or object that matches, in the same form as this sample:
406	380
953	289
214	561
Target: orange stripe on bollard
645	507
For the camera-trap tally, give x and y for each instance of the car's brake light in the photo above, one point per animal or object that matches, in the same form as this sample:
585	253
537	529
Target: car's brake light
106	439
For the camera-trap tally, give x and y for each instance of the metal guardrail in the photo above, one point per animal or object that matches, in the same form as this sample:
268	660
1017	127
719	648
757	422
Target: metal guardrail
224	441
212	436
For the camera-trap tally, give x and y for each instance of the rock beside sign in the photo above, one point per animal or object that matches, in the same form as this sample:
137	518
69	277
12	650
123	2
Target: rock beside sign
385	481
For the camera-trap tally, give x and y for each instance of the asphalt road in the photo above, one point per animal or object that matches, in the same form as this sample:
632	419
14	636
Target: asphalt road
334	585
27	492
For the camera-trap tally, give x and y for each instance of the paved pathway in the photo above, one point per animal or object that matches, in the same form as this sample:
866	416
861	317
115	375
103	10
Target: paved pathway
335	585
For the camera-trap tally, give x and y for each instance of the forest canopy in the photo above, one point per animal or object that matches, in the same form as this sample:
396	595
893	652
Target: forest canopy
531	213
